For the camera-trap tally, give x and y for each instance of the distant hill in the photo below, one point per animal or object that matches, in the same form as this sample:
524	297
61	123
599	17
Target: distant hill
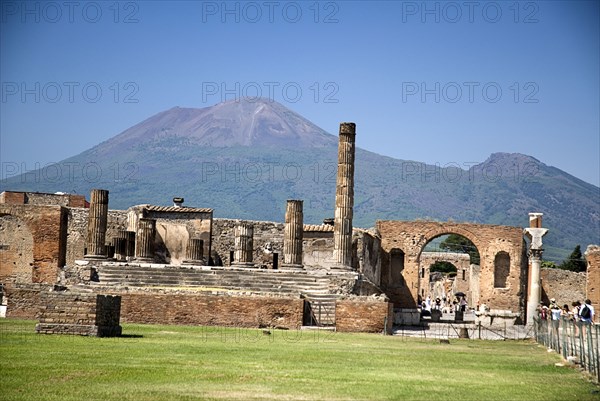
244	159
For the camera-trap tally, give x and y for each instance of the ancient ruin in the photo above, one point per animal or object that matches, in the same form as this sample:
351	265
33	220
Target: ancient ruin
179	265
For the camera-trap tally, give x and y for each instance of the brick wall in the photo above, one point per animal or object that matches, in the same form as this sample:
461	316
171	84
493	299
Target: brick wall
47	226
210	310
363	316
24	301
66	312
12	198
411	237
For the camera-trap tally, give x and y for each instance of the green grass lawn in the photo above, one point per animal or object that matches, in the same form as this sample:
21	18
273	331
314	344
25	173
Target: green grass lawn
183	363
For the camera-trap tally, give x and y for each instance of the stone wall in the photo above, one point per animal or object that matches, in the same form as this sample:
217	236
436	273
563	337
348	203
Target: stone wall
354	315
24	300
38	198
209	310
40	242
410	237
77	231
66	312
566	286
592	255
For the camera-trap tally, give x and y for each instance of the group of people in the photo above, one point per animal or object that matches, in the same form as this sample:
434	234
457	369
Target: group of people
443	304
583	313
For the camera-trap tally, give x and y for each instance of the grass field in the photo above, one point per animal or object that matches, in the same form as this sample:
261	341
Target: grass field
188	363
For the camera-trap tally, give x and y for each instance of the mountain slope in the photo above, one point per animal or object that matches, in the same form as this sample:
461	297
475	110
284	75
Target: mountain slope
244	159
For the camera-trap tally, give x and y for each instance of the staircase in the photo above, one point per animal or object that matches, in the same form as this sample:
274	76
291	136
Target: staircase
319	309
255	281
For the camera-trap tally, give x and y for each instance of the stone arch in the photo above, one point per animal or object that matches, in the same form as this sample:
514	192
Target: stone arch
501	269
16	250
412	236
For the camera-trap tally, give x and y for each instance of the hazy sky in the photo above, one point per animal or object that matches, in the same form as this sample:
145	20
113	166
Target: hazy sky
438	82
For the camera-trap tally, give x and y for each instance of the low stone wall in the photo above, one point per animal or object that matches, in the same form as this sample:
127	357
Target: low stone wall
89	314
209	310
24	301
363	316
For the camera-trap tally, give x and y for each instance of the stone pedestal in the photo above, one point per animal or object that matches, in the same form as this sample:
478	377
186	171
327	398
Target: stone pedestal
243	245
97	221
194	253
144	240
292	235
120	245
344	198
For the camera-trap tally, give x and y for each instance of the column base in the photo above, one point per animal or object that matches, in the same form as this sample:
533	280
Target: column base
292	266
143	260
194	262
341	268
242	264
95	257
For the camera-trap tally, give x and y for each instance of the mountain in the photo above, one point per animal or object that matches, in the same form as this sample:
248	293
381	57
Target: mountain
244	159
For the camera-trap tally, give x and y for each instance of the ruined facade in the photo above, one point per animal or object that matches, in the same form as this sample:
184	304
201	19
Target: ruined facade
176	264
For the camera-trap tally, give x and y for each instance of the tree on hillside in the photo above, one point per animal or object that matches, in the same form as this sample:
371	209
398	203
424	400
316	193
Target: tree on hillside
546	264
444	267
575	262
458	243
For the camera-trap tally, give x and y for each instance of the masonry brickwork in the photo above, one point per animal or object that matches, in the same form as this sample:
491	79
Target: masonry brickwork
38	198
88	314
592	255
41	233
364	316
410	238
211	310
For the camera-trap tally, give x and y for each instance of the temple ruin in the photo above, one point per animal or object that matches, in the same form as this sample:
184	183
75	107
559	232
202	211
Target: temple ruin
179	265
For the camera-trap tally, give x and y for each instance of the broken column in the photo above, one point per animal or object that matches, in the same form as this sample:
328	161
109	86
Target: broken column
144	240
130	245
292	235
97	221
243	245
344	198
120	244
194	253
535	232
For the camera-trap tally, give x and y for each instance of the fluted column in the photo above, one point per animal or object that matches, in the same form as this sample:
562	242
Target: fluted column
535	232
243	245
292	235
344	198
97	220
144	240
194	253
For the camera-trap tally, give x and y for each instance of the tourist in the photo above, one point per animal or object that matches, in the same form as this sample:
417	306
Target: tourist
463	304
565	313
543	311
438	303
586	312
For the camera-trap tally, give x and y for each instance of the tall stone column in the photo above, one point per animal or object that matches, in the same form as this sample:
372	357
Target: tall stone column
97	221
144	240
194	253
344	198
243	245
535	232
293	232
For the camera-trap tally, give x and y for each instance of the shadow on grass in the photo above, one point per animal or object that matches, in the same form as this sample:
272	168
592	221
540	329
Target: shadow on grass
131	336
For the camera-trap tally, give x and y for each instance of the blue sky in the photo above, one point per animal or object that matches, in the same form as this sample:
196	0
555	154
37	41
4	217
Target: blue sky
438	82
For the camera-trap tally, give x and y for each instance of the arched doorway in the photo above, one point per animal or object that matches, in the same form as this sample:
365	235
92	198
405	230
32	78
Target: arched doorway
449	265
